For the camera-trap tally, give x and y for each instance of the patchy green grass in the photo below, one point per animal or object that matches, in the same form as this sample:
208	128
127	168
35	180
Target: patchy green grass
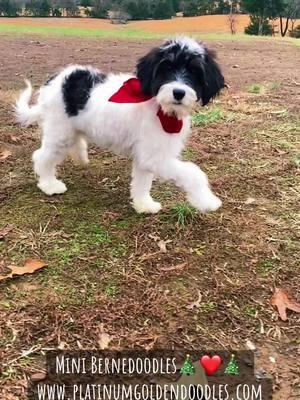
249	311
256	88
182	213
212	115
283	136
262	88
267	266
120	32
188	154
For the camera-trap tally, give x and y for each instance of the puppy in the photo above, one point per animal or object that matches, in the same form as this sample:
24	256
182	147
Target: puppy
146	117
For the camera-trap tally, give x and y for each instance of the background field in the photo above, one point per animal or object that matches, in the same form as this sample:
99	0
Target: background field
98	250
209	26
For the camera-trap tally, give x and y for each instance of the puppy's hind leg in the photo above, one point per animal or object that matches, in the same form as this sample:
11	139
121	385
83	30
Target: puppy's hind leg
140	191
52	152
79	151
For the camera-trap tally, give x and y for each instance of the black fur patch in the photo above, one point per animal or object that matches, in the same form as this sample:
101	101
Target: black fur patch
50	79
77	89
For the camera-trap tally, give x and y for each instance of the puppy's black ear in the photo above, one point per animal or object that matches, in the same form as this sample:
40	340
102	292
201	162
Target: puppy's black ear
213	80
145	69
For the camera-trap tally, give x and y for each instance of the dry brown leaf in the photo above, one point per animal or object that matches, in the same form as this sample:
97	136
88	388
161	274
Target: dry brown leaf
31	265
283	302
5	231
196	303
177	267
162	244
5	154
250	200
147	256
104	338
38	376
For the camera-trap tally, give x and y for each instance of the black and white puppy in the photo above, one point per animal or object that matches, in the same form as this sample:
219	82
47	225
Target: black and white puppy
146	117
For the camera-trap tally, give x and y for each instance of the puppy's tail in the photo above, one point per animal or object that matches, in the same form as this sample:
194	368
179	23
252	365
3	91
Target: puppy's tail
25	114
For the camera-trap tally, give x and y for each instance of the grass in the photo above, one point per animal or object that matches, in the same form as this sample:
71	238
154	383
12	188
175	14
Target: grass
212	115
259	88
182	213
256	88
125	33
266	267
284	136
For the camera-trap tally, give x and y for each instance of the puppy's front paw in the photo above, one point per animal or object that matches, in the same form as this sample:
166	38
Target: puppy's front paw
146	205
53	186
205	201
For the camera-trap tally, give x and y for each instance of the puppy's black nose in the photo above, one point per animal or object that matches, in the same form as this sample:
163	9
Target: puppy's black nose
178	94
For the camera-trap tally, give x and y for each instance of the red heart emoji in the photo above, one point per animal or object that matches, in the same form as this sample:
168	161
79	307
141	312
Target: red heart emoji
211	364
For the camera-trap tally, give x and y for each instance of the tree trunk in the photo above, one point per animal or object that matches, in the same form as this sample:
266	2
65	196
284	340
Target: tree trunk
260	26
286	26
284	30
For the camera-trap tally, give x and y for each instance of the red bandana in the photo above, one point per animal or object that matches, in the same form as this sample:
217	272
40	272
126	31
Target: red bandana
131	92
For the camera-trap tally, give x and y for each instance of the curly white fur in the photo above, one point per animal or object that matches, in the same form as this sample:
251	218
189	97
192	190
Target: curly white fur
130	129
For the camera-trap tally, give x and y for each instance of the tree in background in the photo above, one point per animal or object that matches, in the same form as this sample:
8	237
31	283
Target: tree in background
99	10
290	10
9	8
86	3
223	7
138	9
164	9
38	8
190	8
232	19
176	5
260	13
258	26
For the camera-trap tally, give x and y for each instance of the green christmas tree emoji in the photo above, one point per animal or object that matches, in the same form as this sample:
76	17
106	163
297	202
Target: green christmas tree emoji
188	367
232	368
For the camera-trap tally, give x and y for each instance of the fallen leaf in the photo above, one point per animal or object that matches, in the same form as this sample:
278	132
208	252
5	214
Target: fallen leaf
250	345
250	200
5	231
162	244
154	237
14	138
145	257
31	265
5	154
104	338
283	302
196	303
177	267
38	376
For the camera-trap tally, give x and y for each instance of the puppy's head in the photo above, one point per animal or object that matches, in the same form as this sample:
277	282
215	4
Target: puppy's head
180	73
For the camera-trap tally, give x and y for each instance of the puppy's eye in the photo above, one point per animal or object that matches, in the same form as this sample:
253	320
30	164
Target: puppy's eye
194	65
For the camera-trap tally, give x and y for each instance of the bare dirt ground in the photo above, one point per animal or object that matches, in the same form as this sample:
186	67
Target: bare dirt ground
105	271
